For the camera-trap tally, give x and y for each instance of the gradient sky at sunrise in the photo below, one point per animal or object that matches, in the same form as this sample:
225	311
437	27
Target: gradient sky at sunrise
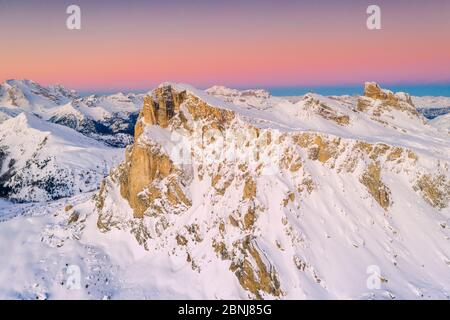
136	44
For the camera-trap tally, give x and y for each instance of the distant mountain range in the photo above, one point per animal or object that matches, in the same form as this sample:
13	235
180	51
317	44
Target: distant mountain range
107	118
111	118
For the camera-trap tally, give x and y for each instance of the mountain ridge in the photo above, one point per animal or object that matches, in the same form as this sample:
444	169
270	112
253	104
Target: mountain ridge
111	118
222	186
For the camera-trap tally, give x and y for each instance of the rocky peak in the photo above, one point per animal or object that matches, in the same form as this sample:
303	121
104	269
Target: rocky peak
379	101
374	91
159	107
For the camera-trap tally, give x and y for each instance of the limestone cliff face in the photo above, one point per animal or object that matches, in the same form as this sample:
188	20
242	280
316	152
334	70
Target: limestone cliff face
201	175
159	108
144	163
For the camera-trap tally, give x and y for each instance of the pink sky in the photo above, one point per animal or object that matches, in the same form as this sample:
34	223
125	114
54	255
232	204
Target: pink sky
258	43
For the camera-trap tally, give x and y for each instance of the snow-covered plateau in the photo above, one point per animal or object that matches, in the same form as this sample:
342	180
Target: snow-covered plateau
222	194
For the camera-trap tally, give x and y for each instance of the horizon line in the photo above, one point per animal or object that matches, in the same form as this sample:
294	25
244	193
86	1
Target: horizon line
415	89
438	88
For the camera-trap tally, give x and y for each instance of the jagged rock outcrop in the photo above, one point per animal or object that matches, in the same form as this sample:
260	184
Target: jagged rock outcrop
326	111
387	101
373	90
435	189
372	180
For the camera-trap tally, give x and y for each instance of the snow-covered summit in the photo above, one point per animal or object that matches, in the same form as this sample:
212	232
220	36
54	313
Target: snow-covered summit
33	97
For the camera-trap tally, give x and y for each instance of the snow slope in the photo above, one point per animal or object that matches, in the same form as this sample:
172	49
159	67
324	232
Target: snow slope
40	247
442	122
42	161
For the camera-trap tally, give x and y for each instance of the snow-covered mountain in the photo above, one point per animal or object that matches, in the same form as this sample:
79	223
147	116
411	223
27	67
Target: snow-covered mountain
110	119
41	161
239	194
32	97
254	197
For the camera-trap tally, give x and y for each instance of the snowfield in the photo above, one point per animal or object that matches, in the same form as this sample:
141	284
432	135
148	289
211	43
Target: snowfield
307	197
39	247
442	123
